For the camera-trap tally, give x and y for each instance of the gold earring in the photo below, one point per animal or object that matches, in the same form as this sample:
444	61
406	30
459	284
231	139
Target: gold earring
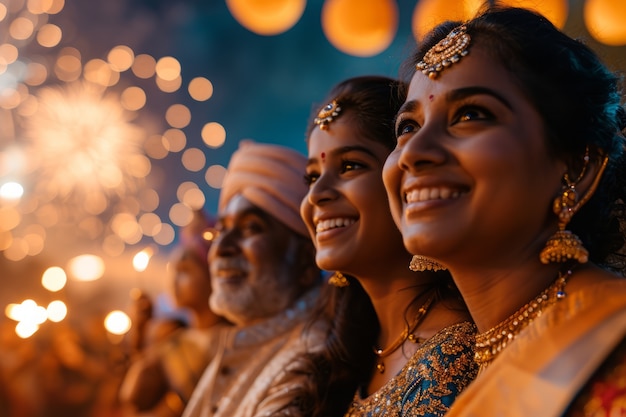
338	280
565	245
421	263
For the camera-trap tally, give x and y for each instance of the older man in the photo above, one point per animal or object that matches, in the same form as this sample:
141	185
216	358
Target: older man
265	282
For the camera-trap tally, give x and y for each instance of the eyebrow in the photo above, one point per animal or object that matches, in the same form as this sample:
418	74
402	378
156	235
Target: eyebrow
346	149
462	93
459	94
252	211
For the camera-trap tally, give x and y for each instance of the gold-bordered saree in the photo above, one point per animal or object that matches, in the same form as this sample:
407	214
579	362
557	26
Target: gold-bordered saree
550	361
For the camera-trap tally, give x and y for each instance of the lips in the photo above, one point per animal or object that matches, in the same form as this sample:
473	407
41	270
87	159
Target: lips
333	223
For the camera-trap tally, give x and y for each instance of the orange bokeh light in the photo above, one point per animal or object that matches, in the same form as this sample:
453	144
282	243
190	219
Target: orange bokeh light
360	27
267	17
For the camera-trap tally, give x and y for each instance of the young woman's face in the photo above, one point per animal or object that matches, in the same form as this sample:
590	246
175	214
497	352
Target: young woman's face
471	176
346	209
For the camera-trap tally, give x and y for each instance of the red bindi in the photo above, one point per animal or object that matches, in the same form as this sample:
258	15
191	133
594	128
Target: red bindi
431	97
323	156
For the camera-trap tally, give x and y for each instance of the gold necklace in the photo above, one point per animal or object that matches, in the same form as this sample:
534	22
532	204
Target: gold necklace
490	343
407	334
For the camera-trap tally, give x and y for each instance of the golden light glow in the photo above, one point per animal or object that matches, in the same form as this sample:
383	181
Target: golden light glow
144	66
86	267
166	235
178	116
49	35
21	28
215	176
200	89
193	159
555	11
150	224
11	191
8	53
142	259
168	68
180	214
117	322
56	311
99	72
175	139
82	142
36	74
360	27
169	86
133	98
213	134
267	17
429	13
194	198
54	279
605	21
121	58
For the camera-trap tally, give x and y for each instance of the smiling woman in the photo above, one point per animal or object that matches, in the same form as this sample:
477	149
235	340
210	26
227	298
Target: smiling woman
393	329
509	170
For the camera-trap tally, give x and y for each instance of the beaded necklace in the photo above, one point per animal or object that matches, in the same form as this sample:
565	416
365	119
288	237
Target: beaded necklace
407	334
490	343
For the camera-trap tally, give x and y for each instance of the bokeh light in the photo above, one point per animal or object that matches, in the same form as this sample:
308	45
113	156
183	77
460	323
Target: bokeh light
86	267
117	322
268	17
360	27
605	21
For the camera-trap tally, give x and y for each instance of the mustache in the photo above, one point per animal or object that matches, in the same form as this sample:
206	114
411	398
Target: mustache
229	263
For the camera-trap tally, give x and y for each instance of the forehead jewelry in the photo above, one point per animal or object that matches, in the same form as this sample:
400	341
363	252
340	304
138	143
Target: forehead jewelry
326	114
445	53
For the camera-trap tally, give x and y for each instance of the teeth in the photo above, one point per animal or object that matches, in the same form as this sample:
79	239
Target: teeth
333	223
426	194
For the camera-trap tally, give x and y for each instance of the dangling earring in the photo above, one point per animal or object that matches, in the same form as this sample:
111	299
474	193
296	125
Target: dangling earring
338	280
565	245
421	263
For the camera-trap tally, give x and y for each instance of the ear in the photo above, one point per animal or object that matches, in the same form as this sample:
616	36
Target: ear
588	175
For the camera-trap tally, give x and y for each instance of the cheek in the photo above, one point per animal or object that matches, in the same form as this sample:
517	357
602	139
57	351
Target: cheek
391	179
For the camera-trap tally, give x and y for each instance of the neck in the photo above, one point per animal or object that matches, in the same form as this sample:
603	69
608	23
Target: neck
493	294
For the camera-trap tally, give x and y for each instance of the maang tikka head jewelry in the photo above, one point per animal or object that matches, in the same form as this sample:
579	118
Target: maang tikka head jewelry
564	245
327	114
446	52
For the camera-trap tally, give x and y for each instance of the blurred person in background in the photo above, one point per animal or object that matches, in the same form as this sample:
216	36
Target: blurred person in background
174	353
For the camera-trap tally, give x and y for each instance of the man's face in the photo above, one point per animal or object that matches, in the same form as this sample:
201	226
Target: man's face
253	264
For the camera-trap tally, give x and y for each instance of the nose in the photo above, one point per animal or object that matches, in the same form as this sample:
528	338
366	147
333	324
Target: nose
224	244
322	190
422	150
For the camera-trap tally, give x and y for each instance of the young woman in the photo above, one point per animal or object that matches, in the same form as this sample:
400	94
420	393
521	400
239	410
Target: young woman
509	170
401	341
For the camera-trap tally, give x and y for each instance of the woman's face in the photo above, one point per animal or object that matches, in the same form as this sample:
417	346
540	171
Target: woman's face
471	177
346	209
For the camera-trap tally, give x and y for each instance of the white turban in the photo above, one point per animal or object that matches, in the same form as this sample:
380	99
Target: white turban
271	178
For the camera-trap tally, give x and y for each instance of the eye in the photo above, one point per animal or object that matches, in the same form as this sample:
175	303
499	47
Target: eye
472	113
251	226
406	127
348	165
310	178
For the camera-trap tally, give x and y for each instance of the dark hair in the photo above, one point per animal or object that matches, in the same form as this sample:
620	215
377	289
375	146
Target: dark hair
578	98
372	101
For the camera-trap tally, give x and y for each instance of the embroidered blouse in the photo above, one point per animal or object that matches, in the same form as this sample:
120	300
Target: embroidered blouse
429	382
